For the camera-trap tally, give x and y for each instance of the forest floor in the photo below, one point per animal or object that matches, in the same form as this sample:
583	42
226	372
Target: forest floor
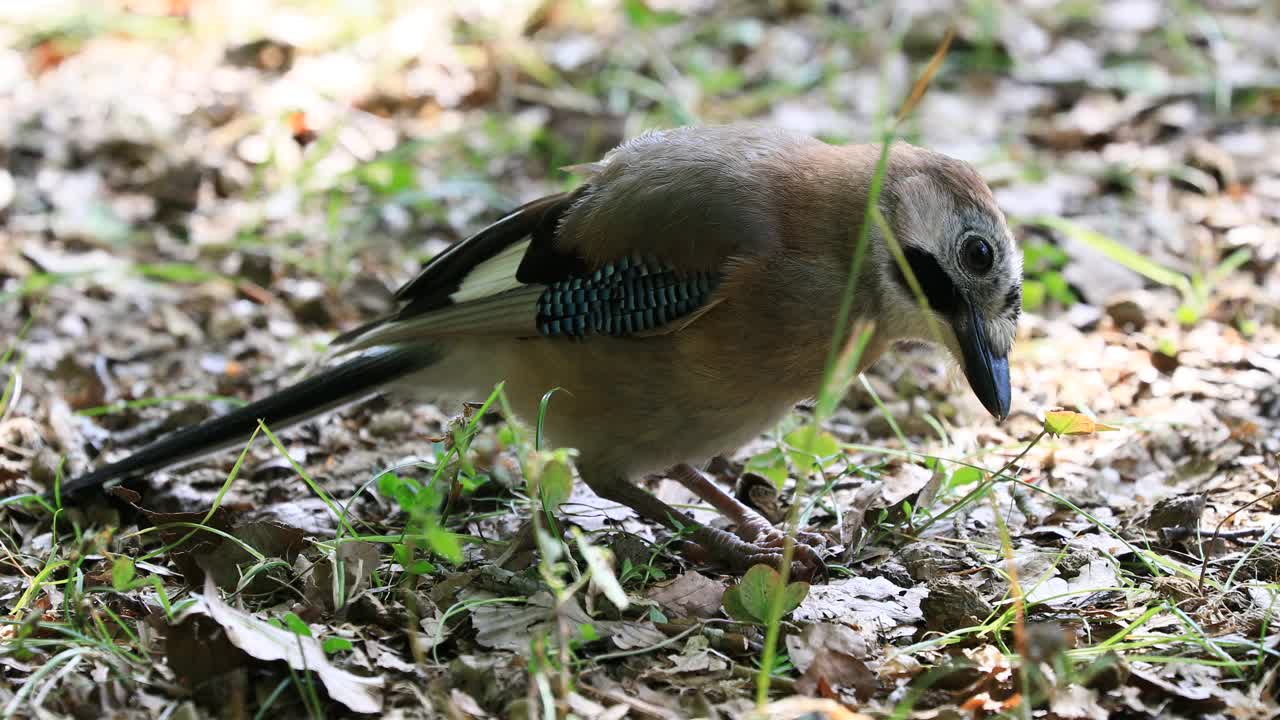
195	197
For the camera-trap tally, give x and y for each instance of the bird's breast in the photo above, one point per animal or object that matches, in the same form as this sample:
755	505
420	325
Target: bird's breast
641	405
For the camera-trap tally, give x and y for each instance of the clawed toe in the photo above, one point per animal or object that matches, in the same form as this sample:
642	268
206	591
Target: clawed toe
806	566
776	538
809	547
808	552
737	555
755	540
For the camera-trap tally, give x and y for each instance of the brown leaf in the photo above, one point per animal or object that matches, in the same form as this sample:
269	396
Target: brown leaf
873	602
274	540
195	542
203	551
197	649
803	648
794	708
832	655
855	516
359	561
689	595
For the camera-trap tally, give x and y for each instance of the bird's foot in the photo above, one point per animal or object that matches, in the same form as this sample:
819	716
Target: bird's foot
757	540
805	542
737	555
754	529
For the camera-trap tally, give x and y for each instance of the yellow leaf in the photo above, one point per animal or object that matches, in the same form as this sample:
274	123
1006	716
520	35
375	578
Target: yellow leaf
1066	422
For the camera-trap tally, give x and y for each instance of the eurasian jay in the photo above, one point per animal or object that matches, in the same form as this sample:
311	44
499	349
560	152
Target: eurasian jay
684	298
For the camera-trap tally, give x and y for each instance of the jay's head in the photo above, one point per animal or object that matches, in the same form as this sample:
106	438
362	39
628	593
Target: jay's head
964	288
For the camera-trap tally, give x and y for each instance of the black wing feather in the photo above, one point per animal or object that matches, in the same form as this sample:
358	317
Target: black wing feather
627	296
444	274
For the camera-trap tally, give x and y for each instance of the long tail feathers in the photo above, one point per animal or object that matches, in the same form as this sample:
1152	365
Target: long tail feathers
355	379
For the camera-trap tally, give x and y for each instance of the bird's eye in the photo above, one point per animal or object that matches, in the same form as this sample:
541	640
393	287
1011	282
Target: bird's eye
976	253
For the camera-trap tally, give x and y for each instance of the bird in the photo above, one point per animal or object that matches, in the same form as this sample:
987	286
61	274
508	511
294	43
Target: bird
683	297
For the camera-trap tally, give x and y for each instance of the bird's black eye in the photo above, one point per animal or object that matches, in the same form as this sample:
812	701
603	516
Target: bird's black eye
976	253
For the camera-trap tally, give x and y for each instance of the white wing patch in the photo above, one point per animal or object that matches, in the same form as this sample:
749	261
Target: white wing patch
506	315
495	275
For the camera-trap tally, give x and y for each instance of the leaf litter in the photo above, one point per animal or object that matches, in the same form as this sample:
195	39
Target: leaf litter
265	641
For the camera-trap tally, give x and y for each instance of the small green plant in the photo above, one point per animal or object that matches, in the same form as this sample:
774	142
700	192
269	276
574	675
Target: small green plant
640	575
296	625
124	578
1197	296
643	17
801	450
1196	289
1042	265
421	503
782	666
548	477
749	601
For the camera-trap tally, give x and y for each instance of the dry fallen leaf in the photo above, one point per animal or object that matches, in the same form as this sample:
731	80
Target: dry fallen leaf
835	670
1098	575
793	708
359	561
804	647
265	641
832	656
508	626
688	596
1077	701
874	603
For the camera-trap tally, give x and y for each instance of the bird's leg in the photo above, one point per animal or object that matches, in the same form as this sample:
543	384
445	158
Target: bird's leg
749	525
734	554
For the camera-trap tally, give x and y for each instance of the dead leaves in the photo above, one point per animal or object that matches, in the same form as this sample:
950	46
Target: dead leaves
262	640
1166	175
358	561
690	595
832	657
221	545
864	601
796	708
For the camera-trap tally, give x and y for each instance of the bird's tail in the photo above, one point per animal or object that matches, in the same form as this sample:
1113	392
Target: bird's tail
352	380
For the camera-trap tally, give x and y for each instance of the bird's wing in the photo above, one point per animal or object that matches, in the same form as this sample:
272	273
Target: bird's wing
640	249
472	287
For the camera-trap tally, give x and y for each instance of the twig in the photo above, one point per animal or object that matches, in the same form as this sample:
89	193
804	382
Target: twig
983	486
656	646
1204	562
641	708
1179	533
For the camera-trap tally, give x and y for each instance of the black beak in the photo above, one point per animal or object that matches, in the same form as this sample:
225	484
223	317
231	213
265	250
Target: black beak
988	373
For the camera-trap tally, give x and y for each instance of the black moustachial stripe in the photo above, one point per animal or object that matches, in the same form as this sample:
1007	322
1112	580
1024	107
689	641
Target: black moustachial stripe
622	298
1013	302
934	281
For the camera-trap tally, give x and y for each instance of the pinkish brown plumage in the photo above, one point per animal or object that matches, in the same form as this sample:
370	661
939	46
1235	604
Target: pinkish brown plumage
684	298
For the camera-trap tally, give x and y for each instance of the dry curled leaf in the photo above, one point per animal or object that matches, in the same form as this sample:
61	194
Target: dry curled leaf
265	641
692	594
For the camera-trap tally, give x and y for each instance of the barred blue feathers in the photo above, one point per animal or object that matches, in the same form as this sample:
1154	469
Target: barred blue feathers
629	296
